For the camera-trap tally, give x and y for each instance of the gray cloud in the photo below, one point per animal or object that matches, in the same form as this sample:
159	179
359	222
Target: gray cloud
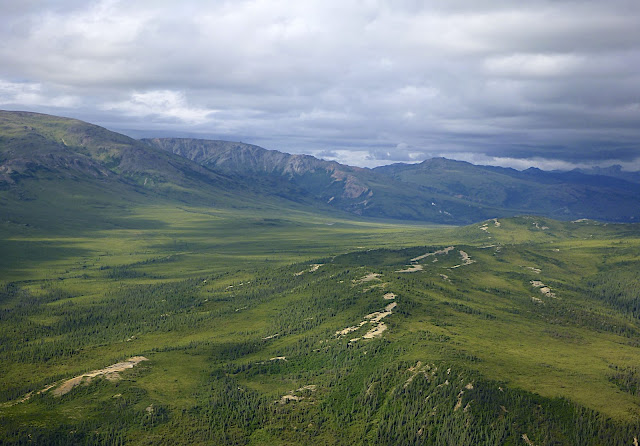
552	82
327	154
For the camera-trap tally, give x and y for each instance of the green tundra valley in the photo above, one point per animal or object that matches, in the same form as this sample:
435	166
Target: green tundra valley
168	291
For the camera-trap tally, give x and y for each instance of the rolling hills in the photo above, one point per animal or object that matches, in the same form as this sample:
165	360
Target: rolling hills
481	334
183	291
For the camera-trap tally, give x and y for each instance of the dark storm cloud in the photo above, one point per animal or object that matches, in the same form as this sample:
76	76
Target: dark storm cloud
547	83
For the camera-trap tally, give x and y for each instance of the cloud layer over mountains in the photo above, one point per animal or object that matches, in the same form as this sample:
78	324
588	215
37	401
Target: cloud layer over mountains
553	84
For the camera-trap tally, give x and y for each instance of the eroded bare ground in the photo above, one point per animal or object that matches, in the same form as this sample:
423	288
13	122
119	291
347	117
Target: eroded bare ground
350	329
367	278
293	397
374	286
411	269
290	397
543	288
415	267
110	373
537	225
312	269
373	318
375	331
485	226
429	254
466	260
379	315
534	269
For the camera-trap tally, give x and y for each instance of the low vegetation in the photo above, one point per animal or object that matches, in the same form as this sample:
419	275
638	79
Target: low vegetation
239	320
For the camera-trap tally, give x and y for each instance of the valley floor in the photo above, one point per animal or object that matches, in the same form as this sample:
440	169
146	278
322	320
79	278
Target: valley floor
223	327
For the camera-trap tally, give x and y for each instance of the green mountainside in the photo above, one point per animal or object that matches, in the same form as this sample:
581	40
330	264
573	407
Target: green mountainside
437	190
562	195
65	174
352	189
89	166
156	293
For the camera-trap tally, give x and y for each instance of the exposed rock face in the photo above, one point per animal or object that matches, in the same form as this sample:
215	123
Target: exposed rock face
314	175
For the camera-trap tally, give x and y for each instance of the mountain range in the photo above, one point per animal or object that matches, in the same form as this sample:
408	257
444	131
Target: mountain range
48	161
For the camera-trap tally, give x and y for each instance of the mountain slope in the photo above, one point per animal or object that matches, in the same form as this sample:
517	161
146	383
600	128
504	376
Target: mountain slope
65	173
356	190
317	176
437	190
563	195
280	170
612	171
33	145
53	170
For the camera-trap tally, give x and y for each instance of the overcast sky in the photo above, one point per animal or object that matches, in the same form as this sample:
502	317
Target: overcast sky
552	84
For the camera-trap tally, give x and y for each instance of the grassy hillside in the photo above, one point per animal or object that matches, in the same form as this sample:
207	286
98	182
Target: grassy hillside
561	195
298	329
65	175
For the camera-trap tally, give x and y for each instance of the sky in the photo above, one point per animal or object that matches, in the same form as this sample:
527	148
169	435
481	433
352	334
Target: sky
552	84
